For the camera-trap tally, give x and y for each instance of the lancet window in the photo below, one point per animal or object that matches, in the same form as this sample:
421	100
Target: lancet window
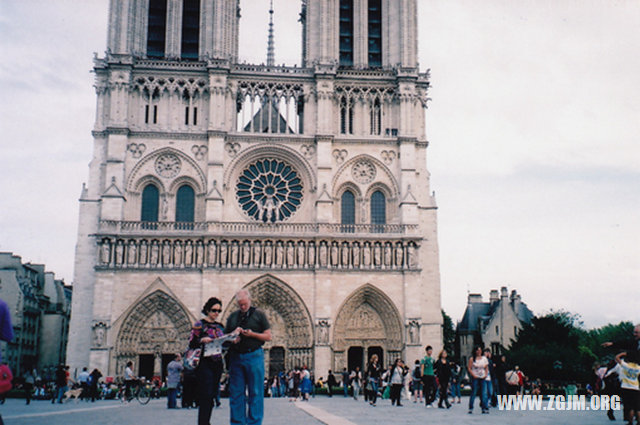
270	108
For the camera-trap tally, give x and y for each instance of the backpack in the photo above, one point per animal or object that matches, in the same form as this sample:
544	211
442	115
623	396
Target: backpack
416	373
5	378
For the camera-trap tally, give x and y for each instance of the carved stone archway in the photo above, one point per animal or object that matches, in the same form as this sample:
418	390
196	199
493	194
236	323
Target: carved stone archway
367	318
291	324
158	324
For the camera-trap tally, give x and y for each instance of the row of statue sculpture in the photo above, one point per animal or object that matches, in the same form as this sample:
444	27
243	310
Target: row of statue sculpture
290	254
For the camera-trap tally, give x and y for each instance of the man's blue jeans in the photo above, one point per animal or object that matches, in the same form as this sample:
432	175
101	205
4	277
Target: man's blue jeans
481	384
171	397
246	374
61	391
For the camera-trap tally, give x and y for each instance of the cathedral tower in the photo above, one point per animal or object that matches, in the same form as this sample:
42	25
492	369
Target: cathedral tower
308	186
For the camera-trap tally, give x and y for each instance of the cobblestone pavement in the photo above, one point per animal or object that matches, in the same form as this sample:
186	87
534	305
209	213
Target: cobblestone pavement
320	410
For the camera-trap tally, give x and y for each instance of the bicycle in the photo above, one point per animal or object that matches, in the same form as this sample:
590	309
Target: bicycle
137	390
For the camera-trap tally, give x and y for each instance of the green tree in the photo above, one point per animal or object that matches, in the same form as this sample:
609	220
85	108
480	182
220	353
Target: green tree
448	333
553	347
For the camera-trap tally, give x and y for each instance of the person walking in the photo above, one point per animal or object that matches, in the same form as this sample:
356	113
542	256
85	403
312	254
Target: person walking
443	372
478	368
331	382
397	382
6	329
456	372
416	382
174	370
356	378
428	377
373	374
209	368
29	381
345	381
246	361
94	381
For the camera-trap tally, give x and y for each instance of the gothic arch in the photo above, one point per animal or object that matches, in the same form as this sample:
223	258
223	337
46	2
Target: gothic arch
155	324
145	167
291	324
384	176
368	317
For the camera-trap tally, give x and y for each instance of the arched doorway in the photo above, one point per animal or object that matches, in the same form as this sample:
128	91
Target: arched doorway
152	332
291	325
368	323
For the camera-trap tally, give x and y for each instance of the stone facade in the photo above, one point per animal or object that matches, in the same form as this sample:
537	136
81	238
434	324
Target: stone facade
308	186
492	324
40	307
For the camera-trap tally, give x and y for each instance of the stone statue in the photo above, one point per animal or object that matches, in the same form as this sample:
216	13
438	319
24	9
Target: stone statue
155	252
246	253
212	251
345	255
413	332
399	255
323	331
188	253
377	255
312	254
166	253
177	254
223	254
334	254
387	255
268	254
300	254
411	256
143	253
105	252
132	250
119	253
322	260
199	254
279	254
355	255
165	208
291	261
366	255
98	336
257	253
234	253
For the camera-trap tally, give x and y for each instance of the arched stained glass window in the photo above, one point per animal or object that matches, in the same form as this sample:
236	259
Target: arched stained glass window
348	210
185	200
150	198
378	210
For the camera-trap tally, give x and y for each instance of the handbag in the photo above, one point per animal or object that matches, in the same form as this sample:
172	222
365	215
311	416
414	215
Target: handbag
191	358
5	378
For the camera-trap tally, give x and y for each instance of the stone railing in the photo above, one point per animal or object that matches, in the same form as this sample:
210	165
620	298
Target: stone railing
166	228
274	252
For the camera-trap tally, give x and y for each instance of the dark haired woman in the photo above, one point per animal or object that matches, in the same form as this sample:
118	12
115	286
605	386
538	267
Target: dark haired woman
443	372
478	368
210	368
373	373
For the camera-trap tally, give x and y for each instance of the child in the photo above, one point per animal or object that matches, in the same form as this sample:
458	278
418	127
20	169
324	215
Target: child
629	372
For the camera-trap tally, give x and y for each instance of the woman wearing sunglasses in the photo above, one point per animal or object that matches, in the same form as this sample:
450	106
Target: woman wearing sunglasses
209	368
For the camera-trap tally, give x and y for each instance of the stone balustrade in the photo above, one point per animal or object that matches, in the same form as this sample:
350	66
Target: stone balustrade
163	228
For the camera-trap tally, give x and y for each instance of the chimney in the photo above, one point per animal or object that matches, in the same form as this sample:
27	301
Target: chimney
493	296
503	292
475	298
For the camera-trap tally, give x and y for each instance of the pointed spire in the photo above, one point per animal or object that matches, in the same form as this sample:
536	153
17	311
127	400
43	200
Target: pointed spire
270	45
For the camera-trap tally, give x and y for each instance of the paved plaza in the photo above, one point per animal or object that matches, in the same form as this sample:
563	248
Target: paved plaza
320	410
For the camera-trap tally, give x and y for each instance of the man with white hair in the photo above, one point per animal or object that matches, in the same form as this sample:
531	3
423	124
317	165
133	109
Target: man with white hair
246	361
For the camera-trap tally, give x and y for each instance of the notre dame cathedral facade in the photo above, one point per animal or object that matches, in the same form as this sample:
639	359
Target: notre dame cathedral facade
306	185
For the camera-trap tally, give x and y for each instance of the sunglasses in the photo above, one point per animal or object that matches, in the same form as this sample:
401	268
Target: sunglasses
215	310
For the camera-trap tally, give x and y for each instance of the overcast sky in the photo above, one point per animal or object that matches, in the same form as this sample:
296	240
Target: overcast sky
534	131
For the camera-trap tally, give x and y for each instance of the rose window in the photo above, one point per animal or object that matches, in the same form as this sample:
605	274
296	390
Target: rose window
269	190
